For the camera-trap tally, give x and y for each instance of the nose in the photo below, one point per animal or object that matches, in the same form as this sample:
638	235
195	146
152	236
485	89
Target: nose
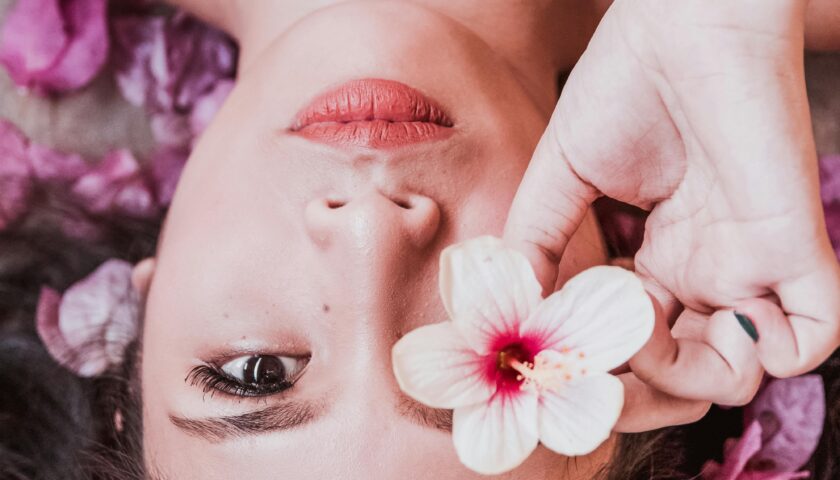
374	222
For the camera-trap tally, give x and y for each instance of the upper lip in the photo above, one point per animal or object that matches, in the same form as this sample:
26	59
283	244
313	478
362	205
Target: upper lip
372	112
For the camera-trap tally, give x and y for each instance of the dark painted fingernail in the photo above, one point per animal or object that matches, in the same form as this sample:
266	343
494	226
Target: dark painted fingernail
747	325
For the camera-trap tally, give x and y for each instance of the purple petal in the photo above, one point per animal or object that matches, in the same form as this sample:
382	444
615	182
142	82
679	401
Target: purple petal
171	130
55	46
736	455
55	167
791	412
15	175
46	323
167	64
136	40
773	475
198	56
830	179
207	106
167	165
98	318
116	186
832	222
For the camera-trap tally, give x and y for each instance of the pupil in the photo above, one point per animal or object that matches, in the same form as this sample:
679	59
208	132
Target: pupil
264	370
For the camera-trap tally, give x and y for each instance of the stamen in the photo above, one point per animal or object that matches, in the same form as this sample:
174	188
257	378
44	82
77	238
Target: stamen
545	374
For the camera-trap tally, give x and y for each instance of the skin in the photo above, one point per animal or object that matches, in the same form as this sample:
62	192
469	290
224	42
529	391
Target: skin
254	260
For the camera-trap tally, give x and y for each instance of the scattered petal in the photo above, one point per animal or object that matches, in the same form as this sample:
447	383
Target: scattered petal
487	289
207	106
55	167
54	46
15	175
171	130
88	329
166	168
791	412
830	179
736	455
578	418
435	366
496	436
116	186
603	313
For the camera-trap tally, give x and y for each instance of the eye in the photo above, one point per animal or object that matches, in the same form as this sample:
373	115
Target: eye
263	370
250	375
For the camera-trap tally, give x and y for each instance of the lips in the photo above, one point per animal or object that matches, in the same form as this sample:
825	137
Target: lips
372	113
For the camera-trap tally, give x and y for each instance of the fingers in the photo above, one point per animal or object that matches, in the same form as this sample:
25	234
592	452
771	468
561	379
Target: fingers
550	204
715	361
646	408
797	341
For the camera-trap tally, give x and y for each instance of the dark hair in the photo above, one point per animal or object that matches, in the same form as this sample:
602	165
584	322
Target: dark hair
54	425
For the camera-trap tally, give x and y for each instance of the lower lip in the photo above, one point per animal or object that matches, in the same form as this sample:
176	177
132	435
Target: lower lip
372	113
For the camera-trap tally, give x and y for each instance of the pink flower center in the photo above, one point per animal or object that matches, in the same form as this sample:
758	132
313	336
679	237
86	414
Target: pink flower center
508	352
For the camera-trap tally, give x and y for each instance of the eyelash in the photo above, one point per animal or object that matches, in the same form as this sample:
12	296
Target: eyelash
212	379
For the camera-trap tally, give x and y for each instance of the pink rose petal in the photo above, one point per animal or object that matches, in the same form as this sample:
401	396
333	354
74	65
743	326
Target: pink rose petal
51	166
735	455
207	106
98	318
830	179
167	165
167	64
15	175
116	186
55	45
791	412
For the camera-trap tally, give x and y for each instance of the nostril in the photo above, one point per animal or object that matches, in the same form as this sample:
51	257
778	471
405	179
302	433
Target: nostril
402	203
335	204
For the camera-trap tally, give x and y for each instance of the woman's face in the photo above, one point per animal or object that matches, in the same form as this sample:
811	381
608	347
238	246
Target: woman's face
317	248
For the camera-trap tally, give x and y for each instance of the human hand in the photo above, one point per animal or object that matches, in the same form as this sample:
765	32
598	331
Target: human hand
697	111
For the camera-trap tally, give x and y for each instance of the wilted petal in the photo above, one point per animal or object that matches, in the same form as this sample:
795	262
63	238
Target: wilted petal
603	313
434	365
791	412
487	289
577	418
98	318
496	436
15	175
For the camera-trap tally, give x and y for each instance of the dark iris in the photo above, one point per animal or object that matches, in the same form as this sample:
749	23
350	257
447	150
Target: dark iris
264	371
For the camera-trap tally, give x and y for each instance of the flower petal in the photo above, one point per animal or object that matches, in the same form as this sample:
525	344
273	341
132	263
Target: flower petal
579	417
99	317
791	412
603	312
735	456
497	436
487	289
435	366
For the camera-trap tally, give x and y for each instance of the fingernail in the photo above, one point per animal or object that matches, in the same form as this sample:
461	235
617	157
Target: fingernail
747	325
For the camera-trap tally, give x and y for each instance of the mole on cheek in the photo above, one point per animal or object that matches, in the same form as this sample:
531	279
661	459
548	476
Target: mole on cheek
326	308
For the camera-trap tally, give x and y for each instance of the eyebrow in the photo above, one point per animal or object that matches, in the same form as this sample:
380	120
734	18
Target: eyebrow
282	416
293	414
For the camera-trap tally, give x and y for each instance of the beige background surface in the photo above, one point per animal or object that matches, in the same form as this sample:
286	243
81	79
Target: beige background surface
97	120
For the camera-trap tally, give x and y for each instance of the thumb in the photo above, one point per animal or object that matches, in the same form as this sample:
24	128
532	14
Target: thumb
550	204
